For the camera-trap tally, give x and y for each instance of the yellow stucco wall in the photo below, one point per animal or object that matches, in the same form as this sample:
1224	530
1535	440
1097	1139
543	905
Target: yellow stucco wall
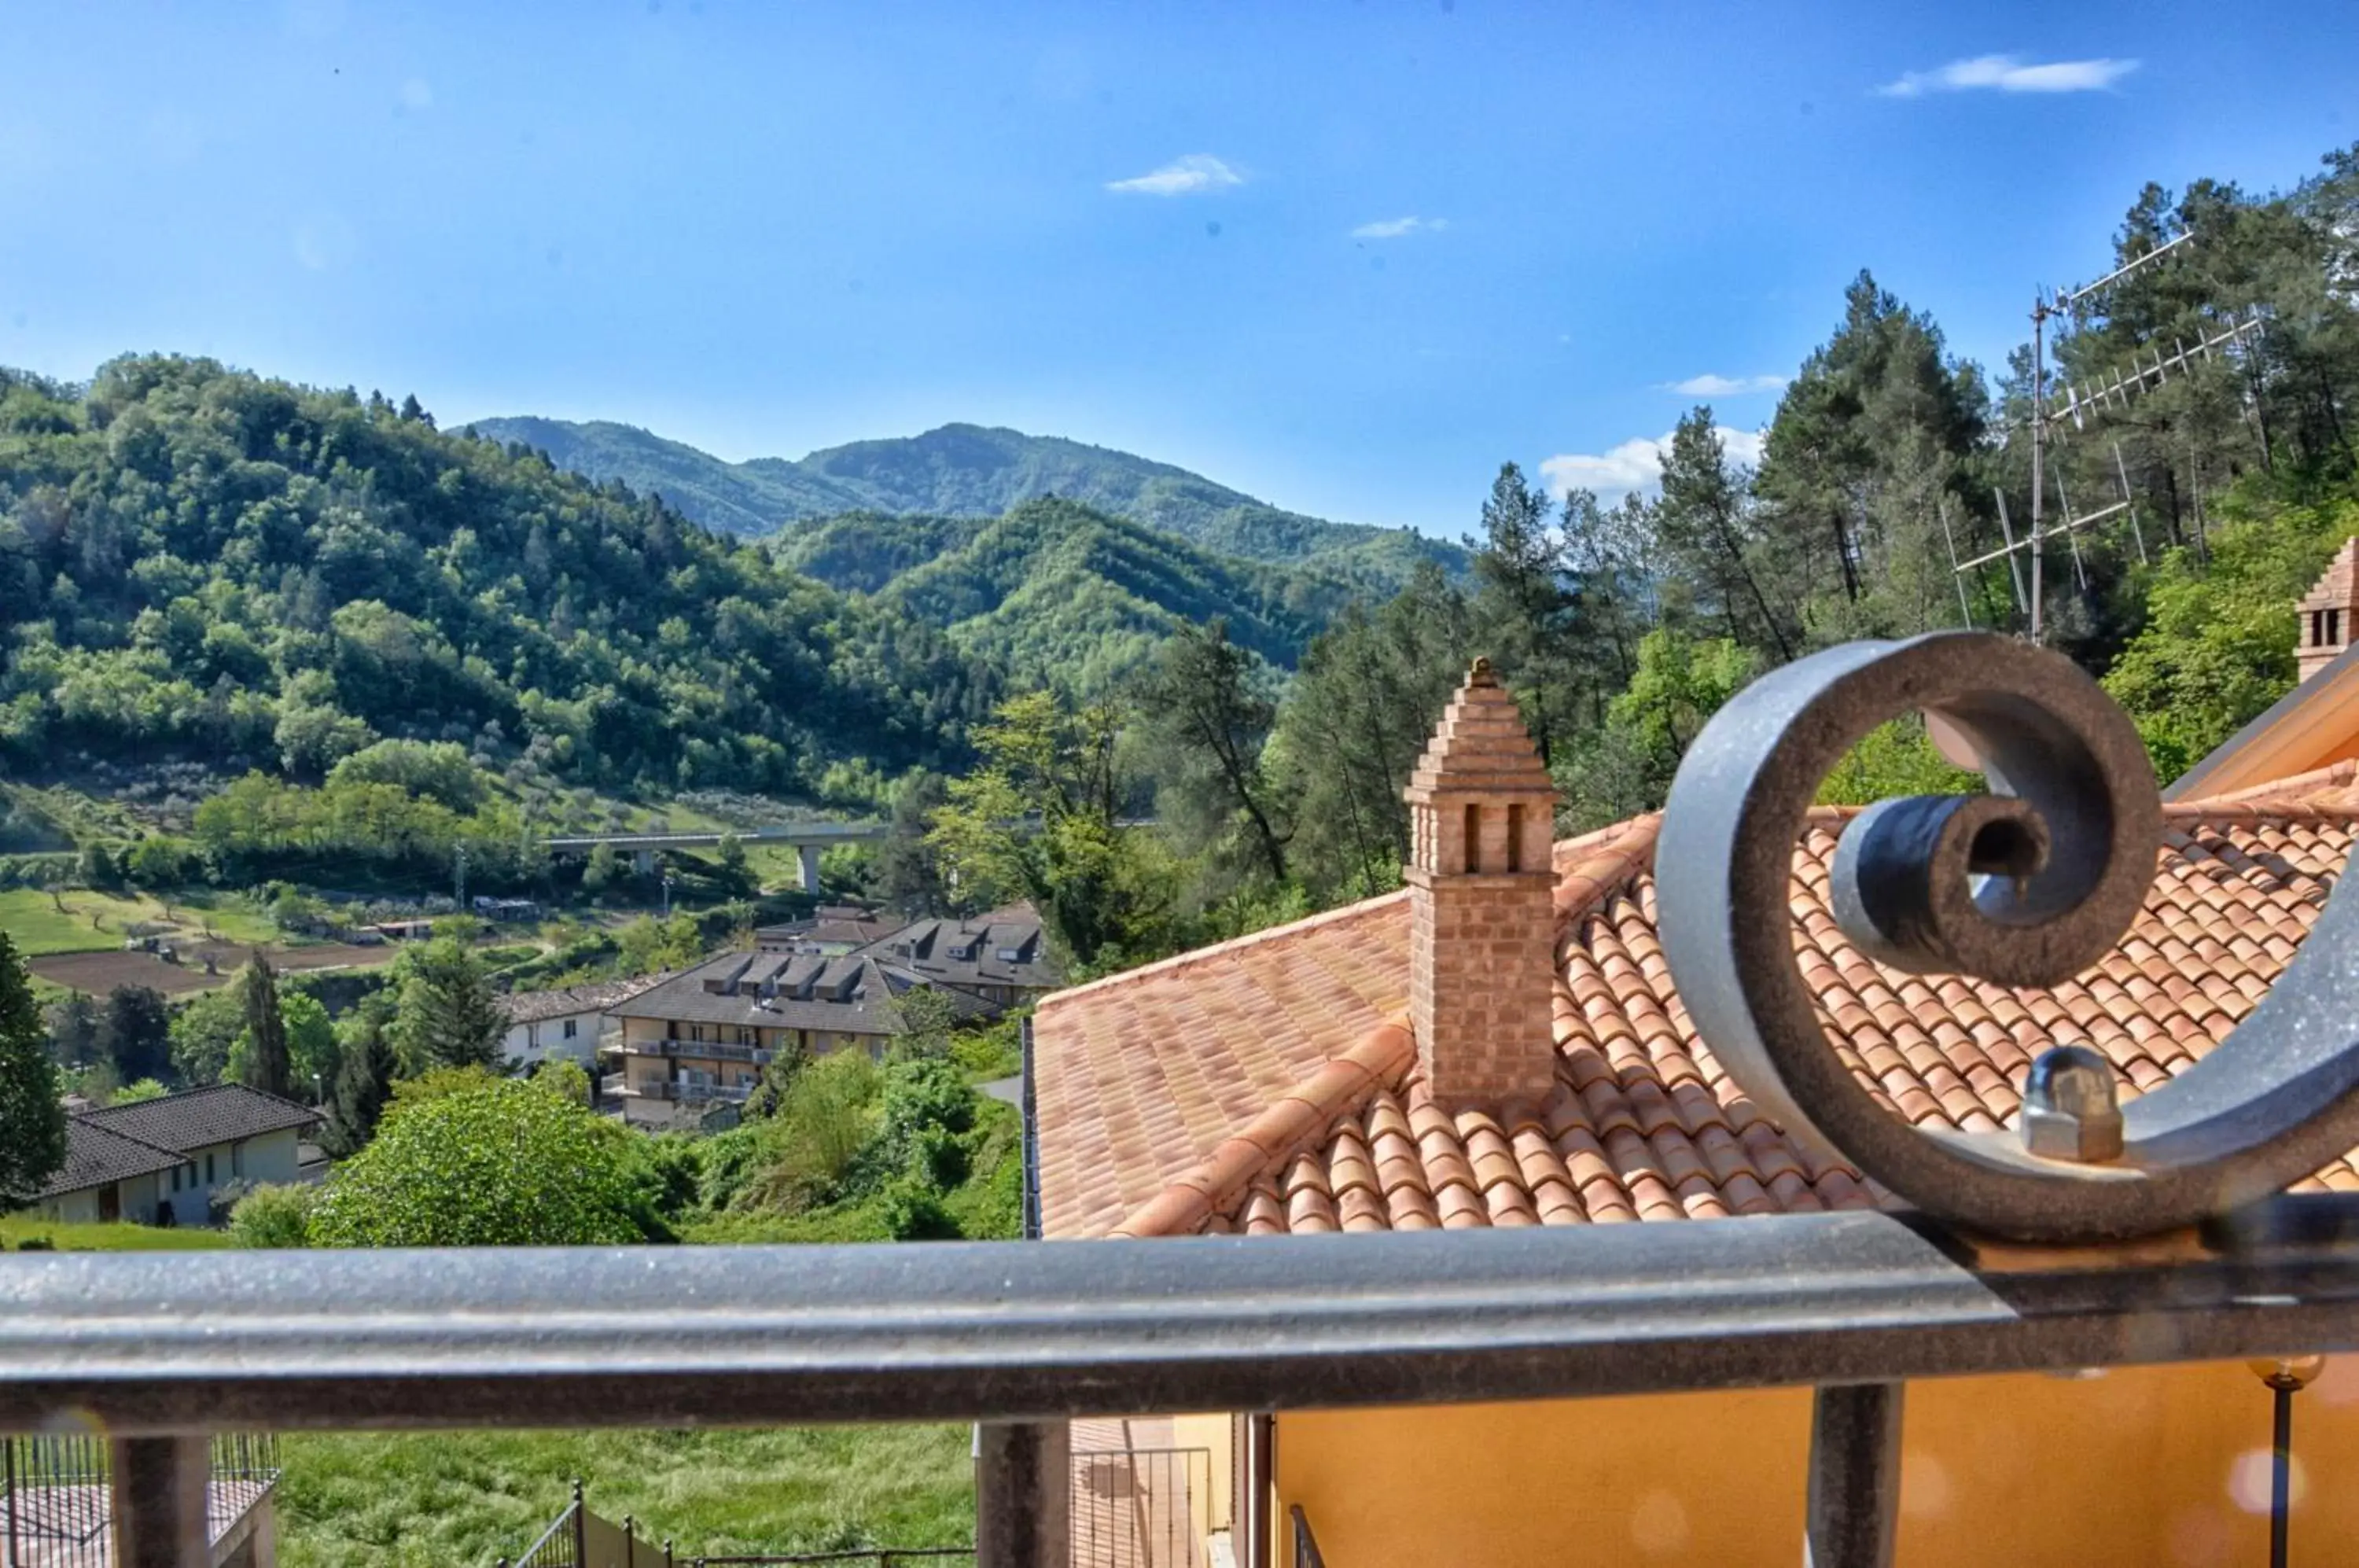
2138	1468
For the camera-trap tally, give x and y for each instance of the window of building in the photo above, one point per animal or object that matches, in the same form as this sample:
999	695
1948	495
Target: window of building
572	1027
237	1160
209	1170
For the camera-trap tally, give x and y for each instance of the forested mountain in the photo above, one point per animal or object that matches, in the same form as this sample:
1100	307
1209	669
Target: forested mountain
1060	594
967	470
202	563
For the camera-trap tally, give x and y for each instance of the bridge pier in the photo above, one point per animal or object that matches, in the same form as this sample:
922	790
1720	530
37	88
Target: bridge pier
644	861
809	854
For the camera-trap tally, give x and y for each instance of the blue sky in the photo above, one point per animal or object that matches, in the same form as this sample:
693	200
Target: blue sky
1346	257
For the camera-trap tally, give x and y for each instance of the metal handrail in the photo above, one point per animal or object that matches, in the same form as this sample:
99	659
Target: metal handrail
1306	1544
193	1341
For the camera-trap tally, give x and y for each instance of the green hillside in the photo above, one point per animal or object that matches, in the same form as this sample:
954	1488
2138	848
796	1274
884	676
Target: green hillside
968	471
201	564
1059	593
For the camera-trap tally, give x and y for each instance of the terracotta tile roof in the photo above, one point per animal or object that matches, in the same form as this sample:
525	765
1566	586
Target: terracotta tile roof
1254	1088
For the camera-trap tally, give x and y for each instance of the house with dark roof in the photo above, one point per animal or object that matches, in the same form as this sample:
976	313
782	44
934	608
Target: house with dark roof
1501	1044
1001	958
831	930
143	1161
701	1037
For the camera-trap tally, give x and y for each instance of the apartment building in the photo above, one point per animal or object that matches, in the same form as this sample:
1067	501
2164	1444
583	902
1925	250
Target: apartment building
701	1039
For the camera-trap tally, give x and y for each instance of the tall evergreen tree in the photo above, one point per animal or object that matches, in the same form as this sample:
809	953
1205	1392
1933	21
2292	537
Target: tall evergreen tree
449	1015
364	1084
1711	541
1522	604
32	1117
265	1057
1209	725
135	1033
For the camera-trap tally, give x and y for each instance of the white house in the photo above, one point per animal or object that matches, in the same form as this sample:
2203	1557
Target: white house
566	1023
139	1162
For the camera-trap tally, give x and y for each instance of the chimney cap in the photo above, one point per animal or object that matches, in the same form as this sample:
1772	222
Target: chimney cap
1479	673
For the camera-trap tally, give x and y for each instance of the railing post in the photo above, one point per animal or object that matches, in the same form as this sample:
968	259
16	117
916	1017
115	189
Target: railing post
9	1444
580	1528
1023	1494
1854	1498
159	1502
630	1545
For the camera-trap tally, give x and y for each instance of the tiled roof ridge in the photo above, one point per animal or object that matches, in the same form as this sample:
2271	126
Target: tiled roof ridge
1195	956
2292	790
1381	1058
175	1155
182	1096
1591	867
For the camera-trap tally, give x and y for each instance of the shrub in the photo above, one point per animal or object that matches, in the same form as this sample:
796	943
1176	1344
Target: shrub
911	1209
272	1215
501	1164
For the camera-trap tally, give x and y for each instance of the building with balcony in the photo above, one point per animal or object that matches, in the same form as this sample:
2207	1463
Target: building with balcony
1501	1045
701	1037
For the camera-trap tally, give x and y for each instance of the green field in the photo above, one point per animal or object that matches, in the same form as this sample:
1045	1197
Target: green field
33	922
446	1498
18	1229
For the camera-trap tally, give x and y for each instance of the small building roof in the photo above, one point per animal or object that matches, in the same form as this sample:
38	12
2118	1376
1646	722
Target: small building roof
199	1118
848	995
1006	947
531	1006
98	1156
1269	1086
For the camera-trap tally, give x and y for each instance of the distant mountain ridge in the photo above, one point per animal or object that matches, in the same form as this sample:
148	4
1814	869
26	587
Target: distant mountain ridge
1057	592
971	471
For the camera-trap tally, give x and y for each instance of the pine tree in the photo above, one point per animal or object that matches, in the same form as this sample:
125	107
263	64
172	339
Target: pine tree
32	1118
450	1015
265	1060
364	1084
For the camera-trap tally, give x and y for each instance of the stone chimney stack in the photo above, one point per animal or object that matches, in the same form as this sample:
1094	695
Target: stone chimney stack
2327	613
1482	925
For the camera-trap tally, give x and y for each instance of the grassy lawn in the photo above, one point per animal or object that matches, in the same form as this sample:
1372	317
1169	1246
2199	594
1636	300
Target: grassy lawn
33	922
467	1498
16	1229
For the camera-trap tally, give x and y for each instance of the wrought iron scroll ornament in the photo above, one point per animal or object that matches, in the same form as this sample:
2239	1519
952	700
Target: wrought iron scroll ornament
2025	885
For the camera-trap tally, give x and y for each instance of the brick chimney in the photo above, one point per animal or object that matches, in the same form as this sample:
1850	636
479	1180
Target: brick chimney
1482	926
2327	611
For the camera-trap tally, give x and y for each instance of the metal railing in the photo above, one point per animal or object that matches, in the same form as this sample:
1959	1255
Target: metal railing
563	1544
859	1557
57	1495
1141	1508
1306	1544
1022	1335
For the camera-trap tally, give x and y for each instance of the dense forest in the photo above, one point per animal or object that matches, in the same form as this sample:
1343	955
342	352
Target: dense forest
1055	593
199	563
967	470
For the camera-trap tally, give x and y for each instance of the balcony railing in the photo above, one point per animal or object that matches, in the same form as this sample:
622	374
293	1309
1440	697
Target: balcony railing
709	1094
159	1348
698	1051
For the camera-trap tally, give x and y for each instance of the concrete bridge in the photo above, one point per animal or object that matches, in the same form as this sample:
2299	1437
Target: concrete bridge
809	839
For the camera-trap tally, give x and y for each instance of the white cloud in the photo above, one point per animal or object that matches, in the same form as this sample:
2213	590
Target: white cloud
1636	464
1711	385
1199	171
1399	228
2009	73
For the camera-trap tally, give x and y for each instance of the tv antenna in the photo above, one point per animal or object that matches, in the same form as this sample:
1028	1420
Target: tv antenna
2080	403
